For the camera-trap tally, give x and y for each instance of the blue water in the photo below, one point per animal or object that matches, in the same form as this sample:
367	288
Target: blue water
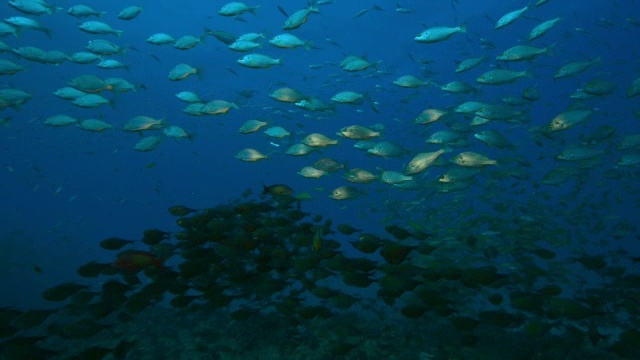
62	190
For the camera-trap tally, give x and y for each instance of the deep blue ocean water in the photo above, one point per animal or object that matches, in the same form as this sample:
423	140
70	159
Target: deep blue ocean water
63	189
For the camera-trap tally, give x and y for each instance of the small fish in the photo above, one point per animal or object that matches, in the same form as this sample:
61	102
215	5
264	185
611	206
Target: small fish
182	71
403	10
472	159
258	61
299	17
27	23
422	161
311	172
358	132
344	193
439	33
573	68
277	190
147	143
134	261
250	155
524	52
469	64
318	140
542	28
510	17
84	11
130	12
237	8
501	76
98	27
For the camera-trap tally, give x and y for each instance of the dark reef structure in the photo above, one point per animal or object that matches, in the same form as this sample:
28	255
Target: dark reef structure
263	279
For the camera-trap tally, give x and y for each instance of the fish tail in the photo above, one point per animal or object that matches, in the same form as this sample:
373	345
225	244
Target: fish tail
46	32
550	49
308	45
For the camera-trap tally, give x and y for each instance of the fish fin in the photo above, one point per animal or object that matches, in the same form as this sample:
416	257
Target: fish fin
283	11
